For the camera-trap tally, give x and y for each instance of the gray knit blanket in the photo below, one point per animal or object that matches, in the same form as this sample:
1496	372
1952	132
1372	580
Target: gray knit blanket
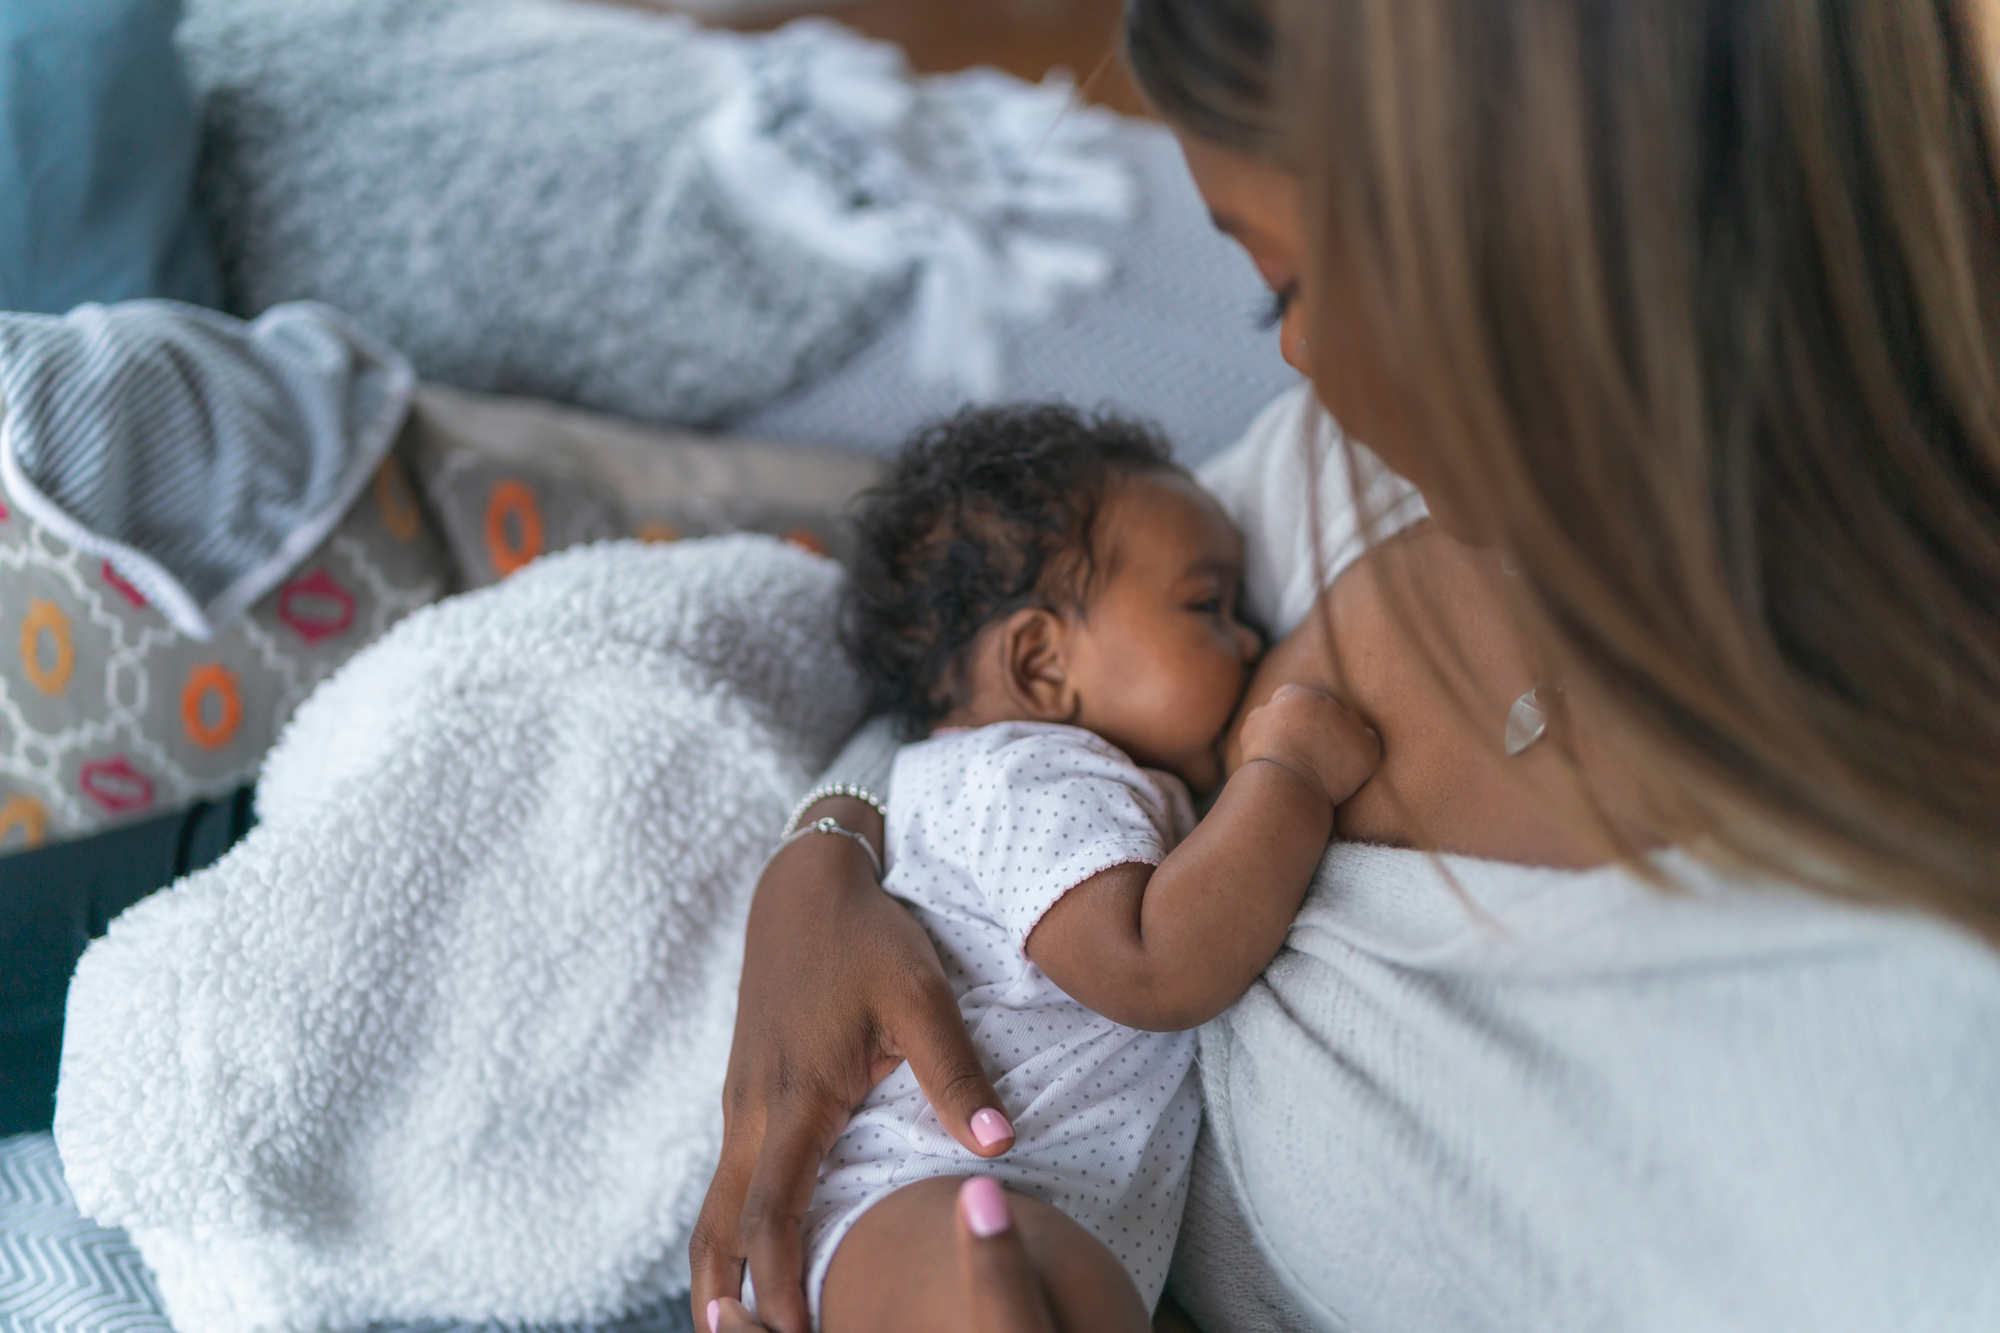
623	210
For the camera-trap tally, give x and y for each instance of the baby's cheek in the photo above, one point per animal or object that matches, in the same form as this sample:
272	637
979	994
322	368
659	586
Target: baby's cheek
1172	717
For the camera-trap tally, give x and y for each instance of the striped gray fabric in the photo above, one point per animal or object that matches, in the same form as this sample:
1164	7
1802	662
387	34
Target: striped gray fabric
59	1272
62	1273
202	456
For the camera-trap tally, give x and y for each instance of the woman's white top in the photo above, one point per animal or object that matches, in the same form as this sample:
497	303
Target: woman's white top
1580	1102
1475	1096
990	828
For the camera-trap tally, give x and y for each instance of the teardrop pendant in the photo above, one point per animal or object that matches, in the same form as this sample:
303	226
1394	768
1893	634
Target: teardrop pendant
1526	723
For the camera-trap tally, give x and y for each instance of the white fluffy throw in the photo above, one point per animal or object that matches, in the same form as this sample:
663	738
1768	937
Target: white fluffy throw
445	1036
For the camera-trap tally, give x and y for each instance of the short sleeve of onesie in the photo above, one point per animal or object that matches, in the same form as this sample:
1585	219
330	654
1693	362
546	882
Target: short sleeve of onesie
1049	807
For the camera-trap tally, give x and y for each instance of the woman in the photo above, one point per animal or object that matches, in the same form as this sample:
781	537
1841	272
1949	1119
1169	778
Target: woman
1684	315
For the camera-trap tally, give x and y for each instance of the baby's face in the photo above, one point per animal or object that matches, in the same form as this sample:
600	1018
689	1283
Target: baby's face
1159	659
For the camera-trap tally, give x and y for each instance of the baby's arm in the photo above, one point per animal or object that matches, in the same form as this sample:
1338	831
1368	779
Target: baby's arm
1168	947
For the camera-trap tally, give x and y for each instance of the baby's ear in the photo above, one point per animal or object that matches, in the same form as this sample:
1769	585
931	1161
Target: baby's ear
1034	645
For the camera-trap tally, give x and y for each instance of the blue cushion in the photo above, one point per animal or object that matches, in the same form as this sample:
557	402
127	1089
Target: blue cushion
98	140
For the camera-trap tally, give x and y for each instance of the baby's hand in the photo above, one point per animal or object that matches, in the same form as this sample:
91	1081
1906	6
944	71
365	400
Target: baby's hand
1316	737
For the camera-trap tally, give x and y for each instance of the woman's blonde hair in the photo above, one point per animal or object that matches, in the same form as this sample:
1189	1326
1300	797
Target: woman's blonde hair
1696	305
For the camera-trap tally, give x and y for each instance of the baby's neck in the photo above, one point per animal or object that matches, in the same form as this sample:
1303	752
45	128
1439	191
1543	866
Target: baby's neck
971	716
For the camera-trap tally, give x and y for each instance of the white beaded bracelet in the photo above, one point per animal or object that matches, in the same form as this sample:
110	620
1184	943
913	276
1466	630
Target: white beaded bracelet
826	789
835	827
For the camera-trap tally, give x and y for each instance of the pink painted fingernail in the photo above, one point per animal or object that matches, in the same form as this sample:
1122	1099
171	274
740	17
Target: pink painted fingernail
715	1317
984	1205
990	1127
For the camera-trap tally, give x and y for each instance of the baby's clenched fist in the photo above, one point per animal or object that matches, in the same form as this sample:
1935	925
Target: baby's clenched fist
1316	737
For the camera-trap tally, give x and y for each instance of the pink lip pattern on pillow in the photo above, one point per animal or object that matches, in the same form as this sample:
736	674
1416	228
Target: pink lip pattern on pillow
116	785
316	606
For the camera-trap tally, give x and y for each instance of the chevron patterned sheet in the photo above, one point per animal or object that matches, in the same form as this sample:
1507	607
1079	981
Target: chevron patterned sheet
62	1273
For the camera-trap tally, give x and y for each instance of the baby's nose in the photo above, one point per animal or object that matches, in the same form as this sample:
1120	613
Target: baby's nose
1249	643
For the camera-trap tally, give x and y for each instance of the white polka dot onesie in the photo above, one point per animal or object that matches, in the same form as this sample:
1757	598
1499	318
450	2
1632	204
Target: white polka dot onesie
987	830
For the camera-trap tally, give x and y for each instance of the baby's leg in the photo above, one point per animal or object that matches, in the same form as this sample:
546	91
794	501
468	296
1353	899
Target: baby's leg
897	1269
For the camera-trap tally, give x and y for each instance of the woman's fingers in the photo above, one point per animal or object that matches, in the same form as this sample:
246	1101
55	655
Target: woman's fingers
933	1037
1001	1288
774	1211
715	1251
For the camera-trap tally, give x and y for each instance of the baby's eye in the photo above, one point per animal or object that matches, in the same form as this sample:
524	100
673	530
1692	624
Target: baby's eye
1211	606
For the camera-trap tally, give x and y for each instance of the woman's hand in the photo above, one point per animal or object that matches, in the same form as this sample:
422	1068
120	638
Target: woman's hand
840	985
1000	1284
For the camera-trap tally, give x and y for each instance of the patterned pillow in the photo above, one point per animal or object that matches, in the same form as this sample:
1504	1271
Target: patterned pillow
512	479
109	715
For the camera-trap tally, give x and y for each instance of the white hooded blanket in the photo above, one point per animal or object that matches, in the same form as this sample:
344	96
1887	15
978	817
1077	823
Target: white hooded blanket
445	1035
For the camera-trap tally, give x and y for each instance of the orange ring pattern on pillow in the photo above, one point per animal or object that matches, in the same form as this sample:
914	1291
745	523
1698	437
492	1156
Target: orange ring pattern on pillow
25	815
47	618
512	499
211	680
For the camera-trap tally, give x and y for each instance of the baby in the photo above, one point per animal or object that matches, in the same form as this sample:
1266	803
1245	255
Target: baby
1050	600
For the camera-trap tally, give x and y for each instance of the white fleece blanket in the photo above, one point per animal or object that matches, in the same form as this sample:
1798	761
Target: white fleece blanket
445	1035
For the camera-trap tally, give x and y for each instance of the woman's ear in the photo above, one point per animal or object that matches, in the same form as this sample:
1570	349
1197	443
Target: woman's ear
1035	665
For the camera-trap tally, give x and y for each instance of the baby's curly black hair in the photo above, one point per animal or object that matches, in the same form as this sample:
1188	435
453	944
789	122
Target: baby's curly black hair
982	514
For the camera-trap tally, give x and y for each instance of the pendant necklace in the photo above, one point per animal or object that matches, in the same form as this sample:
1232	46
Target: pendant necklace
1527	722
